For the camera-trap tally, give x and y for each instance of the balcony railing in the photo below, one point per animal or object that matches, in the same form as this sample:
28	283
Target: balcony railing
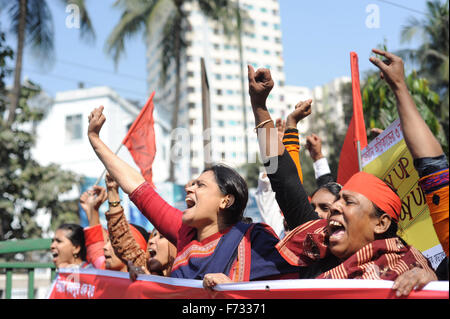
22	246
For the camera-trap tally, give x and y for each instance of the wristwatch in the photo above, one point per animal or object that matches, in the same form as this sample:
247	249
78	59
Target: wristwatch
114	204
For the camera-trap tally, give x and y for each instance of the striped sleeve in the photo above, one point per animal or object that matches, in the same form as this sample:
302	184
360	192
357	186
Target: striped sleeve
436	187
291	142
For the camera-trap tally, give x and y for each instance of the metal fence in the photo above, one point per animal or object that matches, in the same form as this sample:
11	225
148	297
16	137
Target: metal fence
22	246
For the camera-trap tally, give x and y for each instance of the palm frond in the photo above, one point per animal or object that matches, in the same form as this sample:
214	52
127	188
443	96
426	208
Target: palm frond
39	26
131	23
161	10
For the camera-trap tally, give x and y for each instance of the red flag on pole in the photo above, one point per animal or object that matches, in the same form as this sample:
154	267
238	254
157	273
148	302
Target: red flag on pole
140	140
356	138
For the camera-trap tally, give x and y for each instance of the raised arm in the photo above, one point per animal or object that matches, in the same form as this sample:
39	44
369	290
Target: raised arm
418	136
289	192
322	170
260	85
126	176
291	139
90	202
122	240
429	159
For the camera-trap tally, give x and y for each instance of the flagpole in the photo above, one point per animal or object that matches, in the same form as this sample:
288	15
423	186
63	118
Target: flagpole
358	147
104	171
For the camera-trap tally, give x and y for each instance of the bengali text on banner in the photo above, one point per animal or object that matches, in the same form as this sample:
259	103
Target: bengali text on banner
104	284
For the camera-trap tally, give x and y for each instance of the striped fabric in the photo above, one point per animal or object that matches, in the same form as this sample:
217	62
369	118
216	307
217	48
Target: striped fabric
384	259
195	251
291	141
436	187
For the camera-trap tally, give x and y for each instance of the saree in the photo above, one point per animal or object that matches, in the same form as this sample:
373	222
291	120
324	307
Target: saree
244	252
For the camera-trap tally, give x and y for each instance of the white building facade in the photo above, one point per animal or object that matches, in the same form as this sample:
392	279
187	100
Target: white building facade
62	134
61	138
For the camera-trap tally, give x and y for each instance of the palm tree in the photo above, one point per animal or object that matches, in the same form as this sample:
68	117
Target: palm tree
141	16
432	55
32	23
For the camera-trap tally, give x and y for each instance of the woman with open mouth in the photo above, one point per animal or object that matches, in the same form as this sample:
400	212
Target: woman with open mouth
209	235
68	247
358	239
140	252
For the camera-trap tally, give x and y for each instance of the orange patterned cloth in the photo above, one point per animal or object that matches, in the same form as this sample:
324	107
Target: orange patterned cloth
436	187
383	259
291	141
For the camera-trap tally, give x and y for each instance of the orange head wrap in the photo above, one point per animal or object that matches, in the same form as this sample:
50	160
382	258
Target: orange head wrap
138	237
377	191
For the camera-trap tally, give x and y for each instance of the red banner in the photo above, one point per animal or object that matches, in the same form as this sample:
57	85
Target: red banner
104	284
140	140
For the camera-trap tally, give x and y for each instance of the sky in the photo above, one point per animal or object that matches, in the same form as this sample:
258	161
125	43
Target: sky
318	37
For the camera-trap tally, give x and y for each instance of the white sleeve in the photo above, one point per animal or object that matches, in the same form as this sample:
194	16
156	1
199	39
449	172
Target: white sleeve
321	167
268	206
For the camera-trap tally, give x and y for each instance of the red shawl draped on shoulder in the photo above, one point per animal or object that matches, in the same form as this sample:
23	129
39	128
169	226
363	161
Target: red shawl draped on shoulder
384	259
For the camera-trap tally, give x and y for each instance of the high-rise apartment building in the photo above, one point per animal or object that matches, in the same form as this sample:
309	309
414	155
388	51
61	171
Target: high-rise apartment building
262	47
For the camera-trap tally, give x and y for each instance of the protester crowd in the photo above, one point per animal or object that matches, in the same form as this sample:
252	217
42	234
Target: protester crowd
338	232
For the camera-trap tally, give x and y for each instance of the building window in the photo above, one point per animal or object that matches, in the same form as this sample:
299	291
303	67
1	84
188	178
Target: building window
74	127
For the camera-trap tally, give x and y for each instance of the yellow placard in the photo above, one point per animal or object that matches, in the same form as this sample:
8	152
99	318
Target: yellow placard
388	158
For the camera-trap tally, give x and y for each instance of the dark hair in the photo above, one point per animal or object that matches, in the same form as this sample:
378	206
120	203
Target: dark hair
143	232
333	187
76	236
391	232
231	183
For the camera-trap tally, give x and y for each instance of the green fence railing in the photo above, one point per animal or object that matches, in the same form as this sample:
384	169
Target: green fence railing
20	246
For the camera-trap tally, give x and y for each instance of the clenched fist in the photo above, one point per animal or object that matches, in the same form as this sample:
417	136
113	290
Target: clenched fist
260	85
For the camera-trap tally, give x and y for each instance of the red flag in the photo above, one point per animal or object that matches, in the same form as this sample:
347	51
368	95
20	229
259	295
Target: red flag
348	162
140	140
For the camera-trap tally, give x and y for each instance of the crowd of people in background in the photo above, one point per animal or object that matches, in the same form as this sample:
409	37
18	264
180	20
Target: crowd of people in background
337	232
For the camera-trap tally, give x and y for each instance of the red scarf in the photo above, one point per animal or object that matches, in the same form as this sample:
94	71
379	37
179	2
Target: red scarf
384	259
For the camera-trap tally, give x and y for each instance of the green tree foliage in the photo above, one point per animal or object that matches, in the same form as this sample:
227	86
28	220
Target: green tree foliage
432	56
32	24
380	108
26	187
